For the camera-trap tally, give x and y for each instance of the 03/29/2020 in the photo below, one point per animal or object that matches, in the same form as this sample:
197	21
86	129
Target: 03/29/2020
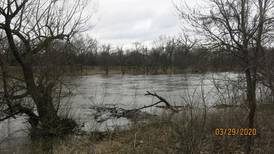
235	131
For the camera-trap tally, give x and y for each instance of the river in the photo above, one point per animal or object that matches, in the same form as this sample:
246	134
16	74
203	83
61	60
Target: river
125	91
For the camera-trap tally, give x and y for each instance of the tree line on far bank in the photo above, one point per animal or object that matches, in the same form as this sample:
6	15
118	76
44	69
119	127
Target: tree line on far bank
168	55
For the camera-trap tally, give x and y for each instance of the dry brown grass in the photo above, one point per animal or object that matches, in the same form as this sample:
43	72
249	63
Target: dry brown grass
174	134
167	136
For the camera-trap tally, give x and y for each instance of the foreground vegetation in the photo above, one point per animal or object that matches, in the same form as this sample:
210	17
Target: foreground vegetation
170	134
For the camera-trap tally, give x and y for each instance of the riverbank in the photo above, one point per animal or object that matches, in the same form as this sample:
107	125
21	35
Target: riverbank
183	134
190	131
131	70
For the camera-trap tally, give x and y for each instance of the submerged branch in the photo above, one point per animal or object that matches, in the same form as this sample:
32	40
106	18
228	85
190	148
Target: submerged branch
104	113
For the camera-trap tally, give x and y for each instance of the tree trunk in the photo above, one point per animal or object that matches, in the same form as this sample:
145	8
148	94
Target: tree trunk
251	98
47	114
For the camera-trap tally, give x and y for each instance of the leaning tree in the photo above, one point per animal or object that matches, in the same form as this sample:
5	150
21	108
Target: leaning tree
30	29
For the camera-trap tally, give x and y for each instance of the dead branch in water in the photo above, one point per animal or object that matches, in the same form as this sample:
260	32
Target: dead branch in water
161	100
103	113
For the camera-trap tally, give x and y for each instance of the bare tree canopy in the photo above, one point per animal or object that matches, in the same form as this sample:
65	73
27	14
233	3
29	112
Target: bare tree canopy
243	28
30	27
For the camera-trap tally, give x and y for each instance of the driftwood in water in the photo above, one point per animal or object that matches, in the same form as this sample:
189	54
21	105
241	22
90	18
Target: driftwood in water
161	100
106	112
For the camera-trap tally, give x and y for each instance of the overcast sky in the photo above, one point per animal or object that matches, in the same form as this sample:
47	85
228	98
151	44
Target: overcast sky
122	22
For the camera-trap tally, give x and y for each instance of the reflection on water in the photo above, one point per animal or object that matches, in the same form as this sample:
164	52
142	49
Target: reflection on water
126	91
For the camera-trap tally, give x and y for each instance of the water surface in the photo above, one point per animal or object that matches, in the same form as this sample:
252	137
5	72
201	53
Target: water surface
126	91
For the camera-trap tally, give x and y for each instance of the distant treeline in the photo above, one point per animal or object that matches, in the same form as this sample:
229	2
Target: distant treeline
169	56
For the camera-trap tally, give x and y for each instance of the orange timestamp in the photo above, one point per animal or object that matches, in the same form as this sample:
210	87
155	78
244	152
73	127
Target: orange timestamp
235	132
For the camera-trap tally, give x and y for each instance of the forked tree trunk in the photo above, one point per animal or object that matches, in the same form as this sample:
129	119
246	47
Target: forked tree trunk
48	120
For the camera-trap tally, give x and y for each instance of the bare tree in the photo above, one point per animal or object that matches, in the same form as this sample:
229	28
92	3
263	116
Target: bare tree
121	59
30	28
85	49
106	58
241	28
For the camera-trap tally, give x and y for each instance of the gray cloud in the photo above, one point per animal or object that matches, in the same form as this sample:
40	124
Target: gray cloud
121	22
